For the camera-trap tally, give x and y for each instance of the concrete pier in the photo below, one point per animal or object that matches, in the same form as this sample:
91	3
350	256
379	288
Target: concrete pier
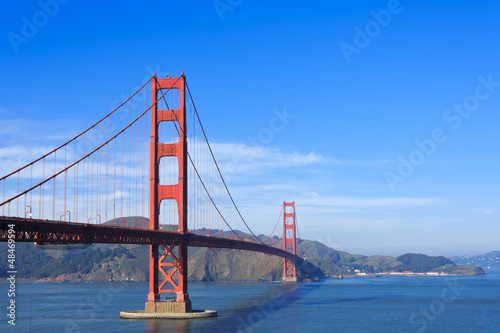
141	314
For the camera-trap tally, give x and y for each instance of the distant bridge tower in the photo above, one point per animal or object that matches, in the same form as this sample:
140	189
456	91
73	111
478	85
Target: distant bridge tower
289	273
173	264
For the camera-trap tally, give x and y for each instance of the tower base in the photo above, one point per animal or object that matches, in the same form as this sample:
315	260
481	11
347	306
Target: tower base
168	310
168	306
290	279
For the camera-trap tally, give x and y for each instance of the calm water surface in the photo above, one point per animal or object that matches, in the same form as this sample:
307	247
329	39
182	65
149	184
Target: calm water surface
384	304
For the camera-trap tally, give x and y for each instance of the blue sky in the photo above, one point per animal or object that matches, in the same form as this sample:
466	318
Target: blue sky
329	97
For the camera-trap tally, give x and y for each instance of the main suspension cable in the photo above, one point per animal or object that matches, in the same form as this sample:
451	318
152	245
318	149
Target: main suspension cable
272	232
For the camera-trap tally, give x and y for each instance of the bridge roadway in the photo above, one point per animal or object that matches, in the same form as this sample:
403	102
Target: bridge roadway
48	231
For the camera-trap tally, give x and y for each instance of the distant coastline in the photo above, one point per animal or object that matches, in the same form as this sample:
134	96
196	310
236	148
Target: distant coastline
414	274
101	263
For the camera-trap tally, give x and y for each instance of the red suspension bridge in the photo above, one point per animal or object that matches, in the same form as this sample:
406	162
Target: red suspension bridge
143	174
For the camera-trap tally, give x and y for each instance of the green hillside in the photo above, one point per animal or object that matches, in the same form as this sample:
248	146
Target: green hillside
102	262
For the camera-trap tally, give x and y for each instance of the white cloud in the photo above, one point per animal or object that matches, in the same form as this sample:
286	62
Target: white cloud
308	195
236	159
487	211
240	157
358	224
26	130
24	153
342	201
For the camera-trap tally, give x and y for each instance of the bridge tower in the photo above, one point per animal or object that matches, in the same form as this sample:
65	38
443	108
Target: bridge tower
172	265
289	272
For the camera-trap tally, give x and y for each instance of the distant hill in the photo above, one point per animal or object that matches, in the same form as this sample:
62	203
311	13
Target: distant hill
334	263
486	261
101	262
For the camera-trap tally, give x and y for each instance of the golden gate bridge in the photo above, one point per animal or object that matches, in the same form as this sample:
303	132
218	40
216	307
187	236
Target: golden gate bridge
143	174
